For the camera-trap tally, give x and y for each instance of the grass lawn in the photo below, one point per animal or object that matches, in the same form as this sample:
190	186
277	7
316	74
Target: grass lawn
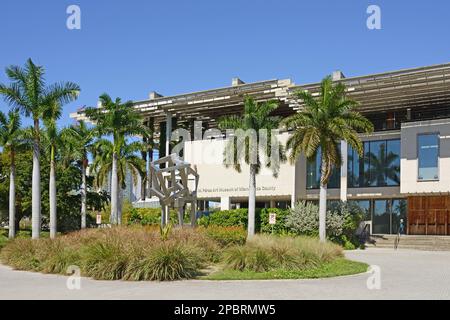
338	267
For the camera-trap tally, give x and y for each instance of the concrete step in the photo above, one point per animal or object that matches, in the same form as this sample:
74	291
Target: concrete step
431	243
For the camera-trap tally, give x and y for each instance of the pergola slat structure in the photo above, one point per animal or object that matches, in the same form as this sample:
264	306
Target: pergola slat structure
411	88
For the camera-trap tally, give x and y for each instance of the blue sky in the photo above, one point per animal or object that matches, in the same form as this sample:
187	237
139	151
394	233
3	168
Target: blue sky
129	48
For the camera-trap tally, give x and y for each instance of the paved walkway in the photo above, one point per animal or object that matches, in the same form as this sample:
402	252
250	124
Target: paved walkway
404	275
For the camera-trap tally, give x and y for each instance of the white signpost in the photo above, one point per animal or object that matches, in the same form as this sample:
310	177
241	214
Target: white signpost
99	219
272	219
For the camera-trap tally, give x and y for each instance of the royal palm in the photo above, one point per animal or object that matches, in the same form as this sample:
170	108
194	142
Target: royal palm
323	122
127	161
255	118
80	138
118	120
29	93
11	141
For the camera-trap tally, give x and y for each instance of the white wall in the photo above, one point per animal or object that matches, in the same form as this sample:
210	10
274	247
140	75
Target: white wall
217	181
409	161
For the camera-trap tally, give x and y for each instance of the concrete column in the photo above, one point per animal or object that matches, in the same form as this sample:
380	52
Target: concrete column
225	203
168	132
273	204
344	170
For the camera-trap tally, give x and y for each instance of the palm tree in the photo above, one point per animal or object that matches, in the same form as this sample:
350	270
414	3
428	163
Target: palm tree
128	161
54	139
80	139
256	117
321	125
29	93
118	120
10	140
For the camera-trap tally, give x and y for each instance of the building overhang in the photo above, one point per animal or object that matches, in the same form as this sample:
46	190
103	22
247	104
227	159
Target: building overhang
390	91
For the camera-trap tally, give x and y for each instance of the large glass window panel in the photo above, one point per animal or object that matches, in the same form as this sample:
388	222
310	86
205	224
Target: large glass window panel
380	166
364	205
376	166
428	154
399	211
392	162
313	174
381	217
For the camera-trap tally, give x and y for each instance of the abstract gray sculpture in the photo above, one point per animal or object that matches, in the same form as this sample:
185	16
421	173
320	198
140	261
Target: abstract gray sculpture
171	185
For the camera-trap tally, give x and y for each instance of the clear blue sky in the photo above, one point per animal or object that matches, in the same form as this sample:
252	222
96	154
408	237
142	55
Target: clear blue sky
129	48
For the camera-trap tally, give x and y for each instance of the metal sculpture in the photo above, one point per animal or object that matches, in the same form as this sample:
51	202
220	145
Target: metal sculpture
170	183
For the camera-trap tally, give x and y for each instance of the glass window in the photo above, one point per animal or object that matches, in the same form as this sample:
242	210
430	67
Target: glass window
428	154
399	212
392	163
381	217
379	167
313	174
364	205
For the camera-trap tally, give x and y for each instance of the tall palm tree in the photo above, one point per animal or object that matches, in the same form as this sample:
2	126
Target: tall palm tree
54	138
256	117
323	123
118	120
11	141
29	93
128	161
80	139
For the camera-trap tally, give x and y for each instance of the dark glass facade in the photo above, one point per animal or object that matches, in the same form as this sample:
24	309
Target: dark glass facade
313	174
380	166
385	214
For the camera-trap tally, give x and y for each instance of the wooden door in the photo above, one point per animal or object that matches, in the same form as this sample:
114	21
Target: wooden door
429	215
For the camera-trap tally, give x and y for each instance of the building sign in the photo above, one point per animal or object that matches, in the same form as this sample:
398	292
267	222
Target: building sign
272	218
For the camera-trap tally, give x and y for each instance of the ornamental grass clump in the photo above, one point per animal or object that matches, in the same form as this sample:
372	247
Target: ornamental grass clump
265	253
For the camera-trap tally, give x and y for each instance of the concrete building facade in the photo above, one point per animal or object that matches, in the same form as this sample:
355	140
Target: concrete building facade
405	171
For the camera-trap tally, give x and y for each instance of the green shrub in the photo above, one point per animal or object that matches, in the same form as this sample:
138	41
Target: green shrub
303	219
225	236
280	226
231	218
148	216
264	253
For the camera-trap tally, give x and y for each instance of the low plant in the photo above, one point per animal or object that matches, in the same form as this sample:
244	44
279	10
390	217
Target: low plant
225	236
263	253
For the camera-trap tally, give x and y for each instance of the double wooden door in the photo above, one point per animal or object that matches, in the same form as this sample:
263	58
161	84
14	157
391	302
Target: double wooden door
429	215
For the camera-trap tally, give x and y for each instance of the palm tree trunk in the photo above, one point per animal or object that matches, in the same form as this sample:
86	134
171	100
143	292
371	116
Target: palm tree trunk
36	186
252	201
323	207
52	195
119	206
12	198
144	178
114	191
83	193
149	174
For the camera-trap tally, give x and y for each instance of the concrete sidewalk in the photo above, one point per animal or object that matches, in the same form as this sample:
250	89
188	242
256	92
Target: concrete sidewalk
404	275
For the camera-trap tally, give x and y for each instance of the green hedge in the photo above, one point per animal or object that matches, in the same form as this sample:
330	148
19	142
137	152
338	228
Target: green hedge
238	218
148	216
279	227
